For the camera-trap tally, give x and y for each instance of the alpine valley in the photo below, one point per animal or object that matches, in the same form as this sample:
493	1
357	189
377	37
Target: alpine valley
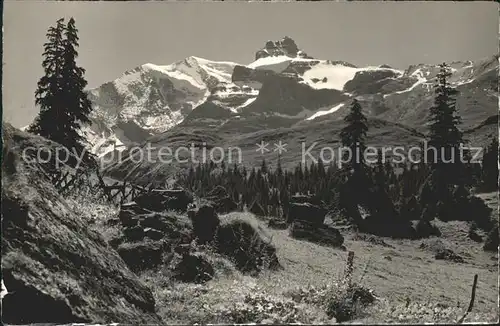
284	95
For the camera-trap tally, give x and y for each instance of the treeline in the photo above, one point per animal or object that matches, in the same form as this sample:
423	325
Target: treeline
381	198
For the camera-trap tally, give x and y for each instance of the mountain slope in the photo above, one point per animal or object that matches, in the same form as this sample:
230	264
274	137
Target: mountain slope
282	88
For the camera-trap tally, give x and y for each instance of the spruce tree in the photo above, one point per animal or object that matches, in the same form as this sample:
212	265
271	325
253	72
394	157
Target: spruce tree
445	136
64	105
353	136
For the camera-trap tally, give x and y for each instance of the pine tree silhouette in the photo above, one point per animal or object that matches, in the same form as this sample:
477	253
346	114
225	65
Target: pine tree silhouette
353	136
445	136
64	105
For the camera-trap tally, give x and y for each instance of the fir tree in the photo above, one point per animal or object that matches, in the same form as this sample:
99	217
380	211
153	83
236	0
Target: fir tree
445	136
353	136
63	103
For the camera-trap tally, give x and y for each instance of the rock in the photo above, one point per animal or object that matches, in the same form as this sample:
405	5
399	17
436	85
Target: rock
153	234
140	256
161	200
285	46
183	248
175	228
58	270
440	251
491	243
370	82
425	229
133	233
306	212
205	223
322	234
193	268
277	223
128	213
448	254
155	221
246	246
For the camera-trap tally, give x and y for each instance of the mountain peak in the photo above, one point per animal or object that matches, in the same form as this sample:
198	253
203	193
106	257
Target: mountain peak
284	47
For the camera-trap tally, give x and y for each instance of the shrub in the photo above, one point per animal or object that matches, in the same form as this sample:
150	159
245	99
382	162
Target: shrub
491	243
342	301
348	303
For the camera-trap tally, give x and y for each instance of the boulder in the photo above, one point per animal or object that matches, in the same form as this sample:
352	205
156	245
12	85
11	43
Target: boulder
448	254
322	234
193	268
128	213
133	233
491	242
153	234
246	246
306	212
160	200
425	229
174	227
58	270
140	256
440	251
205	222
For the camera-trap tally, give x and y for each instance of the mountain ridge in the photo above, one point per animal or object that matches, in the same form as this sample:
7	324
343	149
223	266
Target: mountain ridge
283	85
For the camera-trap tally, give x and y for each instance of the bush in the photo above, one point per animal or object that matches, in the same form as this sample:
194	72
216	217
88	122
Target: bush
339	300
348	303
491	243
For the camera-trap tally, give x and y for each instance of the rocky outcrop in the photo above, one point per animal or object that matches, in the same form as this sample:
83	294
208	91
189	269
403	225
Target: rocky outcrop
321	234
307	212
193	268
205	222
285	46
245	74
491	242
377	81
246	246
52	262
148	239
294	97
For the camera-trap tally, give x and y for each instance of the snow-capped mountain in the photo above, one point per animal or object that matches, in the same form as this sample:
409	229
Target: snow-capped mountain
283	86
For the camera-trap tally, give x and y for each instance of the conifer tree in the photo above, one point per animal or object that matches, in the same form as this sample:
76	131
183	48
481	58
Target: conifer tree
63	103
445	136
353	135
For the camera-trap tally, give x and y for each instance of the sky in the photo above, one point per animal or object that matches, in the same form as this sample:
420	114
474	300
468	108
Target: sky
118	36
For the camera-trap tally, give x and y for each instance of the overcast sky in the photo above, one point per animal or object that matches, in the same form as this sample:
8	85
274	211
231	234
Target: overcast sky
117	36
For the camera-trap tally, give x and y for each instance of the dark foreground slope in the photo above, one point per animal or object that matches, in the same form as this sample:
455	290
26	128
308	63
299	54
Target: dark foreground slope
54	267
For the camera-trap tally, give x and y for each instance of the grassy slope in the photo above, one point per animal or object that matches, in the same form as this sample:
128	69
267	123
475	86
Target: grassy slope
411	273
